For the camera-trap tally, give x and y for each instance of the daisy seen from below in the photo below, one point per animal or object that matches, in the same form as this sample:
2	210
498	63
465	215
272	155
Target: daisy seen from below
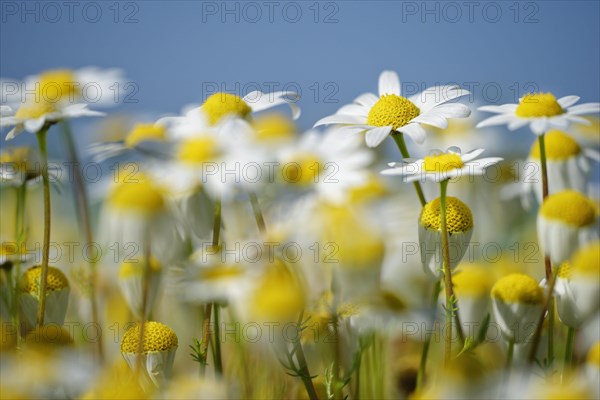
390	112
541	111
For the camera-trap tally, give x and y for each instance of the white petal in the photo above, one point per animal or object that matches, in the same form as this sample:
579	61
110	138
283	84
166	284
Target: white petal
433	119
377	135
471	155
539	125
504	108
517	123
389	83
14	132
496	120
568	101
340	119
34	125
586	108
366	99
354	109
415	132
452	110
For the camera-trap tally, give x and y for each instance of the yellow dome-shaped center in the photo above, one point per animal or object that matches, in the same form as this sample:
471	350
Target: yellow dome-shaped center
157	337
195	151
35	110
570	207
137	194
442	162
221	104
473	281
586	261
518	288
458	215
144	133
565	271
303	169
58	85
559	146
392	110
538	105
30	280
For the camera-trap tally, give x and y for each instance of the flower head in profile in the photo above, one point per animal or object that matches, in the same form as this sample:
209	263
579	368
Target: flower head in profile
541	111
389	112
440	166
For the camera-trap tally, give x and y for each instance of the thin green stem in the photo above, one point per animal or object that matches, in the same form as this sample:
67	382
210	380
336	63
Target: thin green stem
540	324
509	354
542	144
41	138
217	225
427	343
217	353
258	216
145	292
399	139
568	350
447	273
20	240
83	212
302	364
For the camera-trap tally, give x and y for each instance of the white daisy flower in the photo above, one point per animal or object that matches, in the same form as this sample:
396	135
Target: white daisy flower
541	111
331	163
32	117
391	112
472	286
91	85
131	281
578	287
220	105
517	301
566	221
568	164
440	166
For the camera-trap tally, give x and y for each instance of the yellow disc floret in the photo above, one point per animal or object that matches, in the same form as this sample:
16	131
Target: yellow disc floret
303	169
473	281
458	215
518	288
565	271
145	133
129	269
570	207
442	162
538	105
195	151
559	146
137	194
30	280
34	110
392	110
221	104
274	126
157	337
586	261
593	356
57	85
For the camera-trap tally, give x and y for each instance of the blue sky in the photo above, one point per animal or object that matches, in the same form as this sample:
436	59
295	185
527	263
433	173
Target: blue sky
176	52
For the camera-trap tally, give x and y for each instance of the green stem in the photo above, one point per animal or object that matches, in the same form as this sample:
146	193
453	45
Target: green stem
145	292
258	216
399	139
41	138
425	351
20	239
509	354
540	324
447	273
217	353
302	364
569	350
217	225
83	212
542	144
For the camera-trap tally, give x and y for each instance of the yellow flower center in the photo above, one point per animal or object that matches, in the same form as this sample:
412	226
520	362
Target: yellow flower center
30	280
565	271
392	110
518	288
473	281
458	215
349	240
157	337
199	150
586	261
220	272
34	110
145	132
137	194
593	357
278	295
58	85
442	162
274	126
303	169
559	146
129	269
538	105
221	104
570	207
